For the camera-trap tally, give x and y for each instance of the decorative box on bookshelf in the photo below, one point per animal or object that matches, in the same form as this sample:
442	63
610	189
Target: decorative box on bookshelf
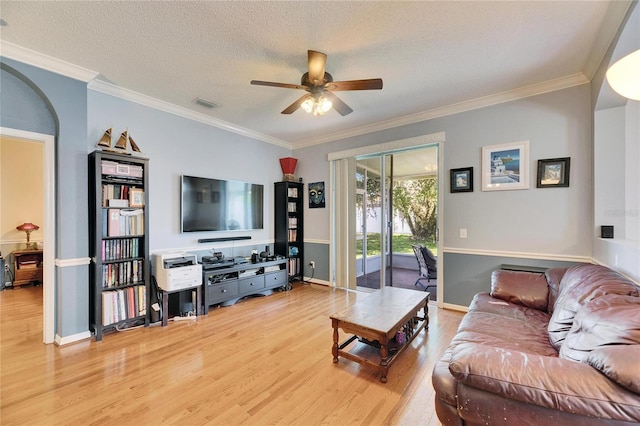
289	226
119	244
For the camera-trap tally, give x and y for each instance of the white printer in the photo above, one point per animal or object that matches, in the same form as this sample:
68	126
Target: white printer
177	271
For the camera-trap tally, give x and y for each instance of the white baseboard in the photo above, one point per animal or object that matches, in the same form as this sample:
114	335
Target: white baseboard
453	307
317	281
61	341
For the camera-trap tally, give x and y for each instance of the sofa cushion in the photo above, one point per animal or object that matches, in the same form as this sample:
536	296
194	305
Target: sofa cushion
483	302
550	382
495	322
579	285
522	288
608	320
554	276
619	363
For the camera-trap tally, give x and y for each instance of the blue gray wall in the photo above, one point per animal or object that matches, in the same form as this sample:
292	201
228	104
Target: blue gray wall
40	101
175	146
549	224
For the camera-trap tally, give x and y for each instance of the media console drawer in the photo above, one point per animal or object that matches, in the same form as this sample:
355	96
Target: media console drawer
226	285
276	278
250	284
222	291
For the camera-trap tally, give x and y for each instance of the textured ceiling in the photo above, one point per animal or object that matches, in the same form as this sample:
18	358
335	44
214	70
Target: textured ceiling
430	54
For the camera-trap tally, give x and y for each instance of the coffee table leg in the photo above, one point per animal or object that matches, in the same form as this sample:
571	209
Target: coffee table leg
334	350
425	310
384	363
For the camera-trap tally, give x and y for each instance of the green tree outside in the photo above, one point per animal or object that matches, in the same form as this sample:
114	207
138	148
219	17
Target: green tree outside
416	202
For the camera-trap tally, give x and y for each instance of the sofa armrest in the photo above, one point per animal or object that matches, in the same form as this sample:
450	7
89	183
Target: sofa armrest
523	288
550	382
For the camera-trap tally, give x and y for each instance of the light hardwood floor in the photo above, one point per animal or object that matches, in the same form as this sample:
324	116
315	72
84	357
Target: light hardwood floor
265	360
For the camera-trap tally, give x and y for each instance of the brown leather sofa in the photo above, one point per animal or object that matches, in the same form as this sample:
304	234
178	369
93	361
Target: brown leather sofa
560	348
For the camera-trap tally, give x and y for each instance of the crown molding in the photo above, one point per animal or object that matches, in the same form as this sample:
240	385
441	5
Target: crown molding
477	103
612	25
49	63
130	95
30	57
39	60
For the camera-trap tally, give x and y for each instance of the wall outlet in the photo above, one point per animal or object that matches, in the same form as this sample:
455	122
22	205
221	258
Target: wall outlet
463	232
312	264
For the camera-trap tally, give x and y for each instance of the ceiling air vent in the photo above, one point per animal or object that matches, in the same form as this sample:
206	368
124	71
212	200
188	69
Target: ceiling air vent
205	103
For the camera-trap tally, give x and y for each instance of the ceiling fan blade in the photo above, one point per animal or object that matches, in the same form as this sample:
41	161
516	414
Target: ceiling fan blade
284	85
342	108
317	62
294	106
370	84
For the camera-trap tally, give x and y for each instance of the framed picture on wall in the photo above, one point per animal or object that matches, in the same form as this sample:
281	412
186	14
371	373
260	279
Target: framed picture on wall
505	167
461	179
553	172
316	195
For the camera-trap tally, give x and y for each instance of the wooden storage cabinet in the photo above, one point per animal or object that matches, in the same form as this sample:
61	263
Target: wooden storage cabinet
226	286
289	226
27	265
119	242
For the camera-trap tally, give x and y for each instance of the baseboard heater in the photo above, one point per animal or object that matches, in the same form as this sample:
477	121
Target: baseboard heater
216	240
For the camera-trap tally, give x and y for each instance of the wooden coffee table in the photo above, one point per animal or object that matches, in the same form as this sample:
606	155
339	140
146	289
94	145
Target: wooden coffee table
374	322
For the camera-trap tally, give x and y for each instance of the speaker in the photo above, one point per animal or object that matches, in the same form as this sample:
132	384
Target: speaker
606	231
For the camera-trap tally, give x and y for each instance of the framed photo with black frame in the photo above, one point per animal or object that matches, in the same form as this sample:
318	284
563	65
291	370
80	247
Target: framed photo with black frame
461	179
553	172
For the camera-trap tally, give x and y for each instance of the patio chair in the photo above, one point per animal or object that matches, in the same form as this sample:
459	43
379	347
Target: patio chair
427	266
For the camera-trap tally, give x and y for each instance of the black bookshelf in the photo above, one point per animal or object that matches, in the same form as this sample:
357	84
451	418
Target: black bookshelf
119	242
289	226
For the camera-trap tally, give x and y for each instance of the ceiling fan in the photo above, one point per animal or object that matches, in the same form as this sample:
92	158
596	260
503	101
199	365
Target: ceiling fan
320	87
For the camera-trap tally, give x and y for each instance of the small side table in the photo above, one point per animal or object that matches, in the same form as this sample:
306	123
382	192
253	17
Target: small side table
27	265
165	302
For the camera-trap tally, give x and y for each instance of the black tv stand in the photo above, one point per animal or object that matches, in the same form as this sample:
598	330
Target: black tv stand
225	286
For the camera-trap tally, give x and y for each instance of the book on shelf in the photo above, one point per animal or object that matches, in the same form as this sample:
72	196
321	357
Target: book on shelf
293	235
123	304
120	248
122	273
292	192
294	267
293	222
123	222
291	207
115	194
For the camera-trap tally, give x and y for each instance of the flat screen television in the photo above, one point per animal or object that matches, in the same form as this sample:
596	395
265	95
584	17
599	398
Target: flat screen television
220	205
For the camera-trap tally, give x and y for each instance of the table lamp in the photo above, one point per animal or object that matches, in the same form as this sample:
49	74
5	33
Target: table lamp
28	228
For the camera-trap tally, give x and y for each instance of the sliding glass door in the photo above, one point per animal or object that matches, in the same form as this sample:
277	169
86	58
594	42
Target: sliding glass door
383	203
372	180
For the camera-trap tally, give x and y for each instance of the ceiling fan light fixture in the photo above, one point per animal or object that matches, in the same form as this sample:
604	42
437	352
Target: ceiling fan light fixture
316	105
624	76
